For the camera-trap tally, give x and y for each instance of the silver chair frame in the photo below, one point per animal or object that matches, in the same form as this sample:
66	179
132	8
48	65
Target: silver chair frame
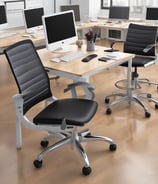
68	135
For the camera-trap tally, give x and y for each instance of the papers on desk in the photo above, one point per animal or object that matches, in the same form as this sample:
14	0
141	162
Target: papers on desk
113	56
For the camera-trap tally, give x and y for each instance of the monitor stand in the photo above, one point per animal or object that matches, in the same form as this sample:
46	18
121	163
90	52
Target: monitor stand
62	50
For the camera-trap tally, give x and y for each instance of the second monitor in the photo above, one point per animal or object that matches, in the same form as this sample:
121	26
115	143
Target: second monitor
152	14
119	12
33	19
3	17
75	8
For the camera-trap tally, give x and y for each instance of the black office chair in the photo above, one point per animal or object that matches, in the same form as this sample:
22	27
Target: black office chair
61	116
138	41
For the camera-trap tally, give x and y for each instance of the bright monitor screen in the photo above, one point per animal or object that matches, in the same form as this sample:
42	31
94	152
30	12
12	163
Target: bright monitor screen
33	19
60	30
152	14
119	12
75	8
3	17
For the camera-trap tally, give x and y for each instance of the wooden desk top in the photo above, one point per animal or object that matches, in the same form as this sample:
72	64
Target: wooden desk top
101	23
79	68
5	42
116	26
87	25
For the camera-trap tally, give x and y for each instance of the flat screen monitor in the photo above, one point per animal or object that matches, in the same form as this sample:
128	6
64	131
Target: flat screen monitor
3	17
33	19
75	8
119	12
60	30
152	14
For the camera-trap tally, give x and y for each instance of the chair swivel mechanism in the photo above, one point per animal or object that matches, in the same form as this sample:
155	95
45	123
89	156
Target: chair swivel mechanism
139	37
60	117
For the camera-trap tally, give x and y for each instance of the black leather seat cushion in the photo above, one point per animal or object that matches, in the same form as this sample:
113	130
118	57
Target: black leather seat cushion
75	111
139	61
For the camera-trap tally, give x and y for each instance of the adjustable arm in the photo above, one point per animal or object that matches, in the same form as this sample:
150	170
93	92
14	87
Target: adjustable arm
112	45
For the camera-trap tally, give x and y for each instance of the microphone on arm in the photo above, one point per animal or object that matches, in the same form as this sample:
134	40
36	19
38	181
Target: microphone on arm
111	48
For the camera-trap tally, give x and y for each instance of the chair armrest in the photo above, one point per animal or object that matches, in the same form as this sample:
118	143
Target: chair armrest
149	47
19	101
150	63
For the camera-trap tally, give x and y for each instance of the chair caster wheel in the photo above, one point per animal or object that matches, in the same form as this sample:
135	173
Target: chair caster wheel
156	106
147	114
108	111
86	170
107	100
149	95
44	143
112	147
37	163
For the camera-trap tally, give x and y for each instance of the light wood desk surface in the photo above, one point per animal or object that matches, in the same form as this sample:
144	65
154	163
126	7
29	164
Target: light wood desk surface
100	24
87	25
5	42
77	70
115	26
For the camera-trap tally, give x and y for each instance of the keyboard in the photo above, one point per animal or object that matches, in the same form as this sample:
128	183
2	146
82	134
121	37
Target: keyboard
37	34
5	35
72	56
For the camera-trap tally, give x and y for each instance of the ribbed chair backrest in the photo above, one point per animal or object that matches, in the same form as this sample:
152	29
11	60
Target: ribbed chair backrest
29	73
139	37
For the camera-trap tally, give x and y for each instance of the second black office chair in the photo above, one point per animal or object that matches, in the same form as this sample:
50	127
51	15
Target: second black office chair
139	39
61	116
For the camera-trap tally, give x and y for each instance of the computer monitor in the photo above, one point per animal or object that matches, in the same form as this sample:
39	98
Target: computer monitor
60	30
33	19
3	17
119	12
152	14
75	8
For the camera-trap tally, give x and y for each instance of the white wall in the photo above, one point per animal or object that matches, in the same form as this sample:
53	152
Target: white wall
88	8
14	9
94	8
61	2
49	5
34	3
15	14
50	8
84	7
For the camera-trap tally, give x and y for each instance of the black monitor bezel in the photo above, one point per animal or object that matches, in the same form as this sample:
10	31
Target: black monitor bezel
28	25
117	16
151	16
3	21
75	8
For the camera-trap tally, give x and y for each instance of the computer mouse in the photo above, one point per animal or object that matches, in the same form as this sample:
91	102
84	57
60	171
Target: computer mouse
89	57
